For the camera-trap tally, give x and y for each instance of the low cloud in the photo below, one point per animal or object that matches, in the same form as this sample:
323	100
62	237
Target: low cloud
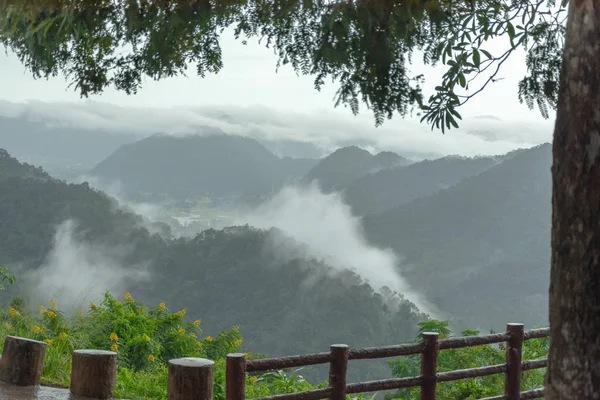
331	233
76	272
320	130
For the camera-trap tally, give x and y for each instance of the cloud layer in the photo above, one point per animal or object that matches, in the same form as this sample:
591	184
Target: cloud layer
324	130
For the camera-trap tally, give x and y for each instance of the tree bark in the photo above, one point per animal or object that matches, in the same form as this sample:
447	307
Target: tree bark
574	360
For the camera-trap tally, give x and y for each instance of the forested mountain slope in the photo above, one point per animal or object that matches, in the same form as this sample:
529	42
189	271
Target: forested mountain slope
481	248
379	191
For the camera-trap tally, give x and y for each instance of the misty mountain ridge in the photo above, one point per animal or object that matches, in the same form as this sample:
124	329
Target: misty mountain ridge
217	165
387	188
349	163
481	247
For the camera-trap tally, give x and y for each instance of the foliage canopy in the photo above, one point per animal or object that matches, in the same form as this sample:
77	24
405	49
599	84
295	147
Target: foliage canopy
367	47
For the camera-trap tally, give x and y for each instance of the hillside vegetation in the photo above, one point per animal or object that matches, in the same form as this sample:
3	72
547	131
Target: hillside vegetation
481	248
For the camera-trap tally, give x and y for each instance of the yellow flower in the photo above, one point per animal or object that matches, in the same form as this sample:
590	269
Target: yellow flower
36	329
181	313
42	310
254	378
182	331
145	338
150	357
193	335
49	341
13	312
93	306
238	342
114	347
51	314
197	322
63	336
52	304
142	310
246	355
209	339
114	337
162	306
128	296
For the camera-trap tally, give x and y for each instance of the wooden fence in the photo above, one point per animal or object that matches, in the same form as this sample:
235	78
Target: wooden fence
340	354
93	372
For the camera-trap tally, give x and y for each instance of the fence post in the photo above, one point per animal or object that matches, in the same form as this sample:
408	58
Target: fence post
190	379
429	359
514	351
93	373
235	376
22	361
338	367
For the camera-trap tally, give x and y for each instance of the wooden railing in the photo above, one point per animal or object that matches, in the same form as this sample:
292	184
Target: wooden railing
237	366
93	372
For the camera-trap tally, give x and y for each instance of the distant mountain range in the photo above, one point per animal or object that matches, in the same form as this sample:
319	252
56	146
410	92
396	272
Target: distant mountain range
349	163
214	165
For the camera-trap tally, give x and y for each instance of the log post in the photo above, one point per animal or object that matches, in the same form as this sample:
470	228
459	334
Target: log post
235	377
338	368
22	361
514	351
93	373
429	359
190	379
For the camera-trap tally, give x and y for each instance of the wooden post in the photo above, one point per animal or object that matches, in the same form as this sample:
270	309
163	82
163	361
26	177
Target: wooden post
190	379
429	365
235	376
93	373
514	350
337	371
22	361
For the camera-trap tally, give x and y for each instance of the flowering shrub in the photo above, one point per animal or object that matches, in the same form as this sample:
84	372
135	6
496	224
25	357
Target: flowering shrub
144	340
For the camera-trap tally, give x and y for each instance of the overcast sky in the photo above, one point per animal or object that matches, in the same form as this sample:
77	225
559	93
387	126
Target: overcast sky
248	79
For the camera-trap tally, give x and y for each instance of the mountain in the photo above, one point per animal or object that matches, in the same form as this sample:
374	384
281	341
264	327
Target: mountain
379	191
284	304
215	165
63	150
348	163
481	248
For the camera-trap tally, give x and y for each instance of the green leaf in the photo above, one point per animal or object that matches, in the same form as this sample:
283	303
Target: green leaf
462	80
486	53
476	58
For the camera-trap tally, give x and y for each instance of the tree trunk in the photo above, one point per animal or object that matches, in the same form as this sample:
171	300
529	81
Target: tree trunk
574	360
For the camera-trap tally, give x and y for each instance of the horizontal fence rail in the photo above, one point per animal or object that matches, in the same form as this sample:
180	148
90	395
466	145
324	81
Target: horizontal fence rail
237	366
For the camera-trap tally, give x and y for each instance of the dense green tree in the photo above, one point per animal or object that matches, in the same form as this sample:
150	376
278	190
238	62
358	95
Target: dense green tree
367	46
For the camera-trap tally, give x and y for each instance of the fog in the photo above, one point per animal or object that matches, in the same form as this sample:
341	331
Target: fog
76	273
322	131
325	224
